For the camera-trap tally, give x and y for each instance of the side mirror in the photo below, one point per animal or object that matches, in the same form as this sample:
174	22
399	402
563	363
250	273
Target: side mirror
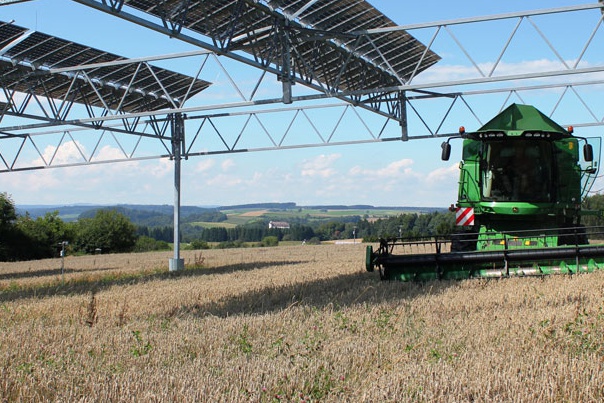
588	153
446	152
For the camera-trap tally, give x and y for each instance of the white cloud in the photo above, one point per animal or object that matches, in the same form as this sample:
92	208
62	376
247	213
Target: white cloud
224	181
393	170
163	169
228	164
204	165
66	153
320	166
109	153
442	175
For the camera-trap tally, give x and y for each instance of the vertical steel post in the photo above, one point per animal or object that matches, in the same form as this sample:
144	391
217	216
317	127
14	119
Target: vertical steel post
402	99
177	127
63	244
286	75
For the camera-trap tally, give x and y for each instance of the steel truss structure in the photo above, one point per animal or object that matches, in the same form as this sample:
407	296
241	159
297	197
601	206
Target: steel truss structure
305	42
343	57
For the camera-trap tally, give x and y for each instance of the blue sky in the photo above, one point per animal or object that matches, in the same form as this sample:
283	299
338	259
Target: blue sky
393	173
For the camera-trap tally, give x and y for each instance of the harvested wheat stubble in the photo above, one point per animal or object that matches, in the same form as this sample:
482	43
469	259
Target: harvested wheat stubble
299	323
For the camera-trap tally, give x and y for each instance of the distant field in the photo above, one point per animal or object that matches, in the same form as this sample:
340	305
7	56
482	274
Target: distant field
254	213
334	213
293	323
244	216
223	224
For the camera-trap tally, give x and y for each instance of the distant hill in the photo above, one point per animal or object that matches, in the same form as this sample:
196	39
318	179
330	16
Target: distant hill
370	207
66	213
140	211
292	205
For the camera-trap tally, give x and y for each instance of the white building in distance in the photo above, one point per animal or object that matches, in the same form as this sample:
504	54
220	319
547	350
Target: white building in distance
278	224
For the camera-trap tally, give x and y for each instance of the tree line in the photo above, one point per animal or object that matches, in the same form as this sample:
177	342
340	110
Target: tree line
111	231
405	225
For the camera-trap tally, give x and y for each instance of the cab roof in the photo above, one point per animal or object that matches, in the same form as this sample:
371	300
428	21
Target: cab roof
517	117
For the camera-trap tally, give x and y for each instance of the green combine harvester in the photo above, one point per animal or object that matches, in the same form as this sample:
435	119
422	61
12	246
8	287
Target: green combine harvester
522	181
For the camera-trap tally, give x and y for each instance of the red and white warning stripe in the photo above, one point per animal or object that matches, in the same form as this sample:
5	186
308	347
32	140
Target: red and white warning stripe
464	216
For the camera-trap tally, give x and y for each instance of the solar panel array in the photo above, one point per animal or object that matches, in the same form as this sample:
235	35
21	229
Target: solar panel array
324	34
28	57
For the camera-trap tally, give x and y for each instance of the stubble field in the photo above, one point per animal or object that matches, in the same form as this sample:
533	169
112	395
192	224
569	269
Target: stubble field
295	323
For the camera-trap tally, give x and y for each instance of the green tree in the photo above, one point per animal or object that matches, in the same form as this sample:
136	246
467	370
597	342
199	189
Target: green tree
199	244
218	234
8	216
595	205
330	230
301	232
43	235
270	241
148	244
108	230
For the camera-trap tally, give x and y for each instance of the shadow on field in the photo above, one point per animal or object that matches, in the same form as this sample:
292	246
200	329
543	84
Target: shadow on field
231	268
92	281
45	273
340	291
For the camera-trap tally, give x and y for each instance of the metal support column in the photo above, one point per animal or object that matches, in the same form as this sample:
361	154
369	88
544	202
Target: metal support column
178	135
286	70
402	99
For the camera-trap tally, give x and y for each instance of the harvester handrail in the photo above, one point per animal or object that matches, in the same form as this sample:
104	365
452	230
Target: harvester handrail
509	240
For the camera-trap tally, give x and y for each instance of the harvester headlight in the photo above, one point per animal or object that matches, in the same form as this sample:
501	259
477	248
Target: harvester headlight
537	135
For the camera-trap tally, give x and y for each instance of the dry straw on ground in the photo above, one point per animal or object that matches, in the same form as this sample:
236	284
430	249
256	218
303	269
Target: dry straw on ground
299	323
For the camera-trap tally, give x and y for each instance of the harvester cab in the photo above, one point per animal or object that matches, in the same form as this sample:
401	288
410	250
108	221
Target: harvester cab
522	181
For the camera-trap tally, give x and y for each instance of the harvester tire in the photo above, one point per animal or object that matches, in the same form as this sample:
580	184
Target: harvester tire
574	236
463	242
369	258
